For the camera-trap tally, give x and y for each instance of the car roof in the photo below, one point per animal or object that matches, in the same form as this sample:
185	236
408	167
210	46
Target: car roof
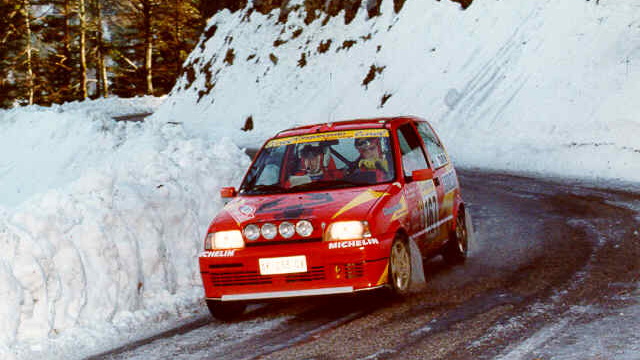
379	122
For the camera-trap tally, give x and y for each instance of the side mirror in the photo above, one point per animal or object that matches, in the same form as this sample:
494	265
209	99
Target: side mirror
422	174
228	192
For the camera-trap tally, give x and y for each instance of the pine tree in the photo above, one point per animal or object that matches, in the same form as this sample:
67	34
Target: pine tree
11	47
151	42
58	56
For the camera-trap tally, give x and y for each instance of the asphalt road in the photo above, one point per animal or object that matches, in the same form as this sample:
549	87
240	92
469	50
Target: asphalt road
541	250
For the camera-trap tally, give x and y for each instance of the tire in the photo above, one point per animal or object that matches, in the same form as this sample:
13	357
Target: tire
455	251
400	267
226	311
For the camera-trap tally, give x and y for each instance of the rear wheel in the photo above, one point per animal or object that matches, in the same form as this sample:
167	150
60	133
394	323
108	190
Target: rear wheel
455	251
400	267
225	311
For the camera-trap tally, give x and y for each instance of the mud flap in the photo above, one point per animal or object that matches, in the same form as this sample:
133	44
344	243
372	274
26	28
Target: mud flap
470	232
418	281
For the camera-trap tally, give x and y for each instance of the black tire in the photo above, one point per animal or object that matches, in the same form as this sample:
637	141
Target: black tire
226	311
455	251
400	267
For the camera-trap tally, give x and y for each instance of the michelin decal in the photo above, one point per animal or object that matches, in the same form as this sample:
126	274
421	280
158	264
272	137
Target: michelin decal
352	243
218	253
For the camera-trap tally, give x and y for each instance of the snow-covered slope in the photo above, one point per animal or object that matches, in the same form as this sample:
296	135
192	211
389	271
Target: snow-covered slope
530	86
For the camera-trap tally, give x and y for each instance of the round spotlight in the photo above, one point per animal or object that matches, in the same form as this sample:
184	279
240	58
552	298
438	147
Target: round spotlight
269	231
252	232
304	228
286	229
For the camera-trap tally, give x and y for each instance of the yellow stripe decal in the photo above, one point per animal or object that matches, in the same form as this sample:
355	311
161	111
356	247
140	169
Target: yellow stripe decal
364	197
384	276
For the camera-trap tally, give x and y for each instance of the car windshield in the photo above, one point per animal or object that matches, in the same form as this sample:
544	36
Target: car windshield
321	161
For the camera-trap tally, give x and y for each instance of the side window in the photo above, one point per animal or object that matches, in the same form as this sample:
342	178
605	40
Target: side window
434	147
413	157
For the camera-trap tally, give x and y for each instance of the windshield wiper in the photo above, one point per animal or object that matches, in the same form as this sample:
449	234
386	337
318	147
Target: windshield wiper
266	189
325	184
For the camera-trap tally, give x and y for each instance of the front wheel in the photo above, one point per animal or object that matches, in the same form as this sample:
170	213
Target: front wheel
455	251
400	267
225	311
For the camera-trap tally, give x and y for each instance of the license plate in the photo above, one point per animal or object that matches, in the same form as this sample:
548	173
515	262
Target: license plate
283	265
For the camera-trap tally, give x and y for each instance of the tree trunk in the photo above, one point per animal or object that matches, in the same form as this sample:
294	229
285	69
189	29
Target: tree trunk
66	60
147	13
102	68
178	39
83	49
28	50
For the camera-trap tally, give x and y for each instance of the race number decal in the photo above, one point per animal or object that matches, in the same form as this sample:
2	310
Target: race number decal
430	209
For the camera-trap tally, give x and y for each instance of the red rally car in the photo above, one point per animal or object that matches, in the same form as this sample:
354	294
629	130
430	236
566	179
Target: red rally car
331	209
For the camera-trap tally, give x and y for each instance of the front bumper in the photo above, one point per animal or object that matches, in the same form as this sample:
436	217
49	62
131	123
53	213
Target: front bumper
332	268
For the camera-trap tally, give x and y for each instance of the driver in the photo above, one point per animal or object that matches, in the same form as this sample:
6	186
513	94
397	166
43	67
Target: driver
316	166
371	157
312	158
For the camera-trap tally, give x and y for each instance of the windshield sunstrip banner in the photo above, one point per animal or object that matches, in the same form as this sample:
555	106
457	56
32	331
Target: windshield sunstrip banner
327	136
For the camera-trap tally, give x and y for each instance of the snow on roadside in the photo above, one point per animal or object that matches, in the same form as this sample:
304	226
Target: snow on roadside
110	240
45	147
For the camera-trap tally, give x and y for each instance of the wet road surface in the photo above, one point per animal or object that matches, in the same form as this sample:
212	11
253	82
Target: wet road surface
542	251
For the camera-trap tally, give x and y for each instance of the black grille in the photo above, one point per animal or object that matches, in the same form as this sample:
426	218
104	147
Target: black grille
353	270
316	273
225	266
239	278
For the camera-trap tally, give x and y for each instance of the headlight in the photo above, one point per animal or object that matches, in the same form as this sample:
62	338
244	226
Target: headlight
304	228
252	232
347	230
269	231
231	239
286	229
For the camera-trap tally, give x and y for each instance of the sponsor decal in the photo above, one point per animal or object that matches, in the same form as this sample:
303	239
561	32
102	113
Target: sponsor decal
326	136
239	211
352	243
218	253
399	210
427	187
362	198
301	206
449	181
390	210
441	159
247	210
431	228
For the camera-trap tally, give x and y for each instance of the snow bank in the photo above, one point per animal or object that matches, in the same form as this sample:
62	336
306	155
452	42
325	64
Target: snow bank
45	148
541	87
104	230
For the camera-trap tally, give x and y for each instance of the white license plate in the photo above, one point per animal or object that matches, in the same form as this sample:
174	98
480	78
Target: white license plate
283	265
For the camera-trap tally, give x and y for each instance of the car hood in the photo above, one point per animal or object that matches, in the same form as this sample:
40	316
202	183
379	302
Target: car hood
351	203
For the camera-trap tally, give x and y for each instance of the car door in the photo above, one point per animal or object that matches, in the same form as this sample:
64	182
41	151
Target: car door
444	178
421	196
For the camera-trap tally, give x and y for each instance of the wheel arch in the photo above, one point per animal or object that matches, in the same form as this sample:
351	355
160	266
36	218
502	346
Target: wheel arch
458	206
